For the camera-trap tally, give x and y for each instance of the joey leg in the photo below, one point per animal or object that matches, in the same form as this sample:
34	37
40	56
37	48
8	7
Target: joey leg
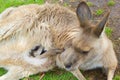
110	74
51	52
14	73
78	74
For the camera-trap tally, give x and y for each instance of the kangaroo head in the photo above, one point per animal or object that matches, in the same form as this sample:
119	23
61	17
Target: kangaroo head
85	42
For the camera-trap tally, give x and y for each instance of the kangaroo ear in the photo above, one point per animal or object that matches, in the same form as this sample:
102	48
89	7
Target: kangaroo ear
101	25
83	12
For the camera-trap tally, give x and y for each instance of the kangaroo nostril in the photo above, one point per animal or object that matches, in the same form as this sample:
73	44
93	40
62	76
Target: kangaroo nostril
68	66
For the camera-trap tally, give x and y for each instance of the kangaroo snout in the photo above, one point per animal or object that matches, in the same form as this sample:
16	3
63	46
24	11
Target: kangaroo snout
68	65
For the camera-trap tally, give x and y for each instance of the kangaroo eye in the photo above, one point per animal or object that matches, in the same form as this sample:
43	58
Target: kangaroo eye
84	52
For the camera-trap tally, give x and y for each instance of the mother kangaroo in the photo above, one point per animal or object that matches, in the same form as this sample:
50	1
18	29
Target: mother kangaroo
52	26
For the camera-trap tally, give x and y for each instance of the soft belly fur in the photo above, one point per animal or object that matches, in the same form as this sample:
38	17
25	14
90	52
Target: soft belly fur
15	57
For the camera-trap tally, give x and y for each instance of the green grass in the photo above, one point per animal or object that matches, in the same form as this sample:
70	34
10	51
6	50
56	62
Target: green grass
89	4
117	77
65	4
111	3
8	3
50	75
2	71
61	75
108	31
99	12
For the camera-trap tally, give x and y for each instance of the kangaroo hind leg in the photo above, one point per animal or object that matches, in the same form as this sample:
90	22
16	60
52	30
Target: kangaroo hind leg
14	73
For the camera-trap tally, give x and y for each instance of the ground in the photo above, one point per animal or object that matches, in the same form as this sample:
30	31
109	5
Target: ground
113	24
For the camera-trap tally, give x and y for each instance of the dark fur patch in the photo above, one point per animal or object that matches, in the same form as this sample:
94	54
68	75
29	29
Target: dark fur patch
43	51
31	53
34	50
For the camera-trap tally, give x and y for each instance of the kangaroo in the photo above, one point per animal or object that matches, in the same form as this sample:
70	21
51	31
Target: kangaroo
52	26
22	28
89	49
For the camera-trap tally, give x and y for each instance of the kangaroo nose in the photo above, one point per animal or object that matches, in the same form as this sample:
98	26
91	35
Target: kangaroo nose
68	65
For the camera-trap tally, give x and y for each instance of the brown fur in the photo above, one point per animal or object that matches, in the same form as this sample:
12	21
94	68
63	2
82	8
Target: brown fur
89	49
52	26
